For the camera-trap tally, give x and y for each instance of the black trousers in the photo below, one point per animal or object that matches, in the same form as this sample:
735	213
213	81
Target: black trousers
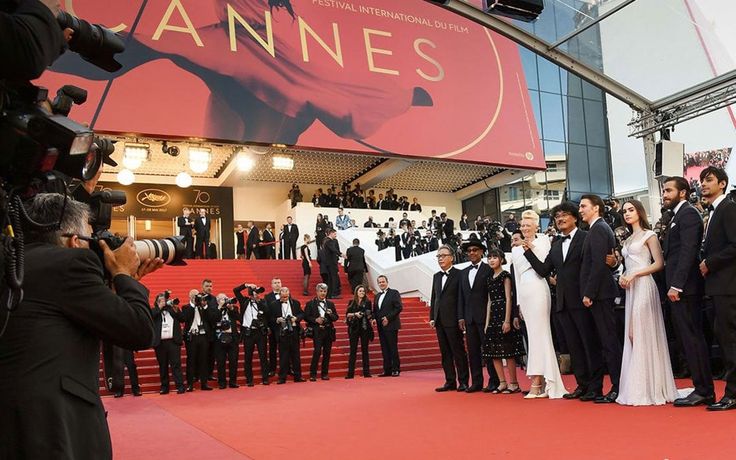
273	349
687	319
290	250
453	354
289	356
168	354
252	341
725	308
578	327
333	281
365	359
611	341
249	252
227	352
189	245
323	348
129	361
197	349
475	336
355	278
389	349
200	249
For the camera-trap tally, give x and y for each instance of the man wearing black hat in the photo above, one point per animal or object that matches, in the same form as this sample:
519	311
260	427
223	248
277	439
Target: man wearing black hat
473	301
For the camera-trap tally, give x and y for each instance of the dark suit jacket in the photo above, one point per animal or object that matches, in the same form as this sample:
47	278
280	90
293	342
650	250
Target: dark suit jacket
474	302
444	307
262	305
568	272
311	312
293	235
448	228
253	238
203	229
719	251
274	312
355	259
681	251
390	308
50	354
156	314
185	228
206	316
596	279
331	253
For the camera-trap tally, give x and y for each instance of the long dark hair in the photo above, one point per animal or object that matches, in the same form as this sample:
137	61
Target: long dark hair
643	221
278	4
356	300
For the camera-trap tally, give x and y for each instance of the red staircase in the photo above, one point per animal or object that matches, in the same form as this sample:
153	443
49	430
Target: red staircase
417	341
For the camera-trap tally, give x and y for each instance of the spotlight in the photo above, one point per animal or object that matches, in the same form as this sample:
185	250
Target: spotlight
183	179
126	177
171	151
199	159
134	155
244	162
285	162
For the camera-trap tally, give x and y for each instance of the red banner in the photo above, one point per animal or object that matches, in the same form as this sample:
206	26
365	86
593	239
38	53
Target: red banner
372	76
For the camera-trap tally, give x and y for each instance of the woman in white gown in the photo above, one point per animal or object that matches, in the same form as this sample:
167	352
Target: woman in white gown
646	372
535	303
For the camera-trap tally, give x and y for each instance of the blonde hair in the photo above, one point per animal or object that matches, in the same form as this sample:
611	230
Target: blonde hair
531	215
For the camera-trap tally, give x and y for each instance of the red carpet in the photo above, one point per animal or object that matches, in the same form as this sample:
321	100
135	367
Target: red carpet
404	418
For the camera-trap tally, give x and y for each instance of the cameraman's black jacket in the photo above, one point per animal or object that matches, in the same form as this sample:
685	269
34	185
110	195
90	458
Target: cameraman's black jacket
30	39
176	315
263	314
206	315
355	325
216	317
311	313
275	312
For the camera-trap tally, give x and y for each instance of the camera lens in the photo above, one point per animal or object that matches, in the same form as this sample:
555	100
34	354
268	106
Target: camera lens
170	249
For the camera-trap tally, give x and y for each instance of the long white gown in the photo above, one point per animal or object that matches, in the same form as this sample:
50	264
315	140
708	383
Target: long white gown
646	371
535	304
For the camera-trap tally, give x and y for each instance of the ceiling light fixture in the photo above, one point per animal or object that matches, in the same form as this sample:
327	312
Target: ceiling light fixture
126	177
245	162
135	154
199	159
284	162
183	179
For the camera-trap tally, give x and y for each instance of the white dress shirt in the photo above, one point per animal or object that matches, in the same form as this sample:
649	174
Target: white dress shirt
567	242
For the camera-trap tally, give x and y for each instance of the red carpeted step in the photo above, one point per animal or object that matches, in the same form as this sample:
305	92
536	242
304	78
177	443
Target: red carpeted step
417	341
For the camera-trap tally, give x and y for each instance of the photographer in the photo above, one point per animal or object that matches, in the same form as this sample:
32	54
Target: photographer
49	353
358	317
198	333
227	338
254	329
285	316
167	342
320	315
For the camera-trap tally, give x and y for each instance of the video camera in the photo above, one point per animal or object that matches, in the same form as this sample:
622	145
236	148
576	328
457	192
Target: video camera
169	301
253	291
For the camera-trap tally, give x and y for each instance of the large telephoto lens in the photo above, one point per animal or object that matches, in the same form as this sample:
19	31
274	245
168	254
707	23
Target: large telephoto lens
171	249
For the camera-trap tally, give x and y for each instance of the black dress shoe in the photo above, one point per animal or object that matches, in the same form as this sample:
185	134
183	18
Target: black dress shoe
395	374
222	387
589	396
324	377
137	392
234	385
694	399
299	380
367	376
312	379
190	388
725	403
280	382
207	388
180	390
575	394
489	389
385	374
474	388
266	382
163	391
348	377
607	399
119	394
445	387
462	388
249	384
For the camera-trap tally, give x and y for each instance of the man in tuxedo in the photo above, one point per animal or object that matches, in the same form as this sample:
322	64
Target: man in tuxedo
719	270
167	318
321	314
49	352
331	255
202	227
578	325
448	228
355	265
283	312
185	224
227	339
253	330
386	311
473	301
211	301
291	236
446	317
199	333
251	246
685	286
273	338
599	289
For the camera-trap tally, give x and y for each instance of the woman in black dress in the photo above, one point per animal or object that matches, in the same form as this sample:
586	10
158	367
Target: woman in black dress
359	319
306	254
240	248
320	230
503	341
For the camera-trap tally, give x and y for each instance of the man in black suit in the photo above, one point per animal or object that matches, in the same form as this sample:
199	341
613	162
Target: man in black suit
386	311
355	265
473	301
599	289
331	255
685	287
167	318
254	325
291	236
273	338
321	314
202	226
49	352
254	238
284	312
185	224
446	316
199	335
225	317
211	301
578	325
719	270
448	228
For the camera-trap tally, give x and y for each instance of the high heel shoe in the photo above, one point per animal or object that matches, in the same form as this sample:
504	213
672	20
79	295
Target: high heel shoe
533	395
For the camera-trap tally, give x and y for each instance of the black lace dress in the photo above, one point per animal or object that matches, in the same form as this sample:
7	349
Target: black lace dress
497	344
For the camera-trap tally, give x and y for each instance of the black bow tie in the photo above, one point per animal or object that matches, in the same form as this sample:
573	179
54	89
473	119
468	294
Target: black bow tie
710	208
474	267
445	274
566	237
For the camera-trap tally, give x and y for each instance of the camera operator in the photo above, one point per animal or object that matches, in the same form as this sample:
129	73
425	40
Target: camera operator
253	329
211	300
285	315
198	333
49	353
321	315
227	338
167	318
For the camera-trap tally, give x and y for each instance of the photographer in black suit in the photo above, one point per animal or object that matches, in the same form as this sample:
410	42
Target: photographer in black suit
186	223
286	316
719	270
320	315
253	329
386	311
198	333
599	289
685	286
227	337
273	338
578	325
49	353
167	318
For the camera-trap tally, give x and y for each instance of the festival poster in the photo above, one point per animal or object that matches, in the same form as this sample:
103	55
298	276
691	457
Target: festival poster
695	162
369	76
